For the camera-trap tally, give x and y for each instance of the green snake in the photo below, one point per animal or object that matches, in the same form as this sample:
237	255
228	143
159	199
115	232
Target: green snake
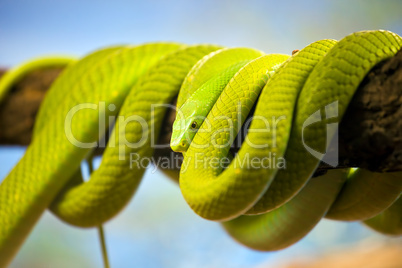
264	195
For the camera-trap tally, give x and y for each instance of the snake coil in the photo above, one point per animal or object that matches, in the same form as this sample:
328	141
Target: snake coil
262	208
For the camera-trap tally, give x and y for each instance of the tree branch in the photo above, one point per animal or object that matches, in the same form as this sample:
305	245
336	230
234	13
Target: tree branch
370	134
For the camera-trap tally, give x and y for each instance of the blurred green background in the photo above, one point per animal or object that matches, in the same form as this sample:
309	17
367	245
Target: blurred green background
158	229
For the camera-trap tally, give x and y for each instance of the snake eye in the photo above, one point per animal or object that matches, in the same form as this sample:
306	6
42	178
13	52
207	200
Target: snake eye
194	125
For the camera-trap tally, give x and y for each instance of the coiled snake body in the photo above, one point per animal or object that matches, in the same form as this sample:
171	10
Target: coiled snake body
263	207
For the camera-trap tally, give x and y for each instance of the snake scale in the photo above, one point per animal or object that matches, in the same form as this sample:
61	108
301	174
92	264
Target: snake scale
263	204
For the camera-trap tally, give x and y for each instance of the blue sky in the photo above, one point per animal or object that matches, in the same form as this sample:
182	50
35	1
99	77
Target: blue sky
32	28
158	228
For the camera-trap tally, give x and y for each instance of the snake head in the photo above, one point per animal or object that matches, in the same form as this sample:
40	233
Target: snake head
188	120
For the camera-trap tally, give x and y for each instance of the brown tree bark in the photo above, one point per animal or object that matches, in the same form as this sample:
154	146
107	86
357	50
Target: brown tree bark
370	134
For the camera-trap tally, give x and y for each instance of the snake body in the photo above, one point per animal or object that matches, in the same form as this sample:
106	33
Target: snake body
263	207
